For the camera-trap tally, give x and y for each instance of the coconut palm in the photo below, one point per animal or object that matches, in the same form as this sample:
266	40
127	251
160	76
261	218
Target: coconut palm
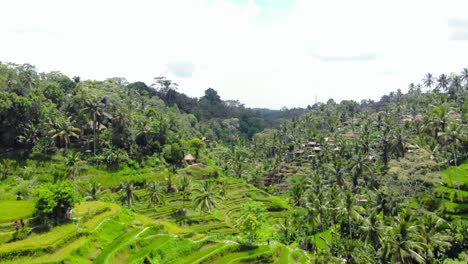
402	243
372	229
464	75
64	130
350	210
93	191
171	183
454	135
29	134
95	108
359	164
432	233
155	193
399	141
74	164
428	80
442	82
206	198
185	187
6	168
128	196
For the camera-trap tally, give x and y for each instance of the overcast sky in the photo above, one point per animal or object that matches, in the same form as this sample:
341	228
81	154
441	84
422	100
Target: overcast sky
265	53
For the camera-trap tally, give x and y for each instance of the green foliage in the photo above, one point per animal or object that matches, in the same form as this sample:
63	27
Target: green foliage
54	199
277	205
15	210
6	168
174	153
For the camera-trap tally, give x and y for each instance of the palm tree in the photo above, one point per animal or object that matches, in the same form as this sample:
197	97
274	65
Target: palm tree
29	135
359	164
128	195
64	130
155	192
432	235
146	128
372	230
95	108
350	210
6	168
185	187
74	164
428	80
400	140
442	82
402	244
205	199
454	135
439	118
464	75
93	191
171	183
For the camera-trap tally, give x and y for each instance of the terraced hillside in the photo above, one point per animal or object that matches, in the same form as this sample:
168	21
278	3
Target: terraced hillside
107	233
455	201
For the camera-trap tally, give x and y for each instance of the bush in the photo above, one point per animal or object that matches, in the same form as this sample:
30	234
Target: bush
277	205
54	199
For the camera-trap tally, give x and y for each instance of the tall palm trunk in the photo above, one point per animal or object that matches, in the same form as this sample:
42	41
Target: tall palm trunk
94	134
456	173
204	221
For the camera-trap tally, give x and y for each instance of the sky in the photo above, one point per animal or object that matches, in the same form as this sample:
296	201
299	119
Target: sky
264	53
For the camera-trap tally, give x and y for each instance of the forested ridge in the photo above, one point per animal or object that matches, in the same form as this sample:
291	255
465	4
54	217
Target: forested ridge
358	182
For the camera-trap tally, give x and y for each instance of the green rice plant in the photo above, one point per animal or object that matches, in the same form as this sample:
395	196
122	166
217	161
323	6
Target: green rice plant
16	210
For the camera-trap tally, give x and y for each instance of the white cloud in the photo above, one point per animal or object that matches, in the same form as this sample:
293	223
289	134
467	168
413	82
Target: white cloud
262	54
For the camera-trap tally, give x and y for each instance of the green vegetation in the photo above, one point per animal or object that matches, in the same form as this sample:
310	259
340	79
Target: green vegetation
13	210
117	172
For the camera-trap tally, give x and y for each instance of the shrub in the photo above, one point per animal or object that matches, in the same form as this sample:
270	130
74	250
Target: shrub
54	199
277	205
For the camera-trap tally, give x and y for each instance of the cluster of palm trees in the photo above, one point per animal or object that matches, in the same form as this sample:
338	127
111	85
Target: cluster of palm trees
366	230
359	187
444	82
205	196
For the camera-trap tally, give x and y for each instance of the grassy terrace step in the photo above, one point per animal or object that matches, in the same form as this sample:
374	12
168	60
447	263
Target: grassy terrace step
225	231
38	244
121	241
15	210
284	256
58	256
204	253
145	246
243	256
208	227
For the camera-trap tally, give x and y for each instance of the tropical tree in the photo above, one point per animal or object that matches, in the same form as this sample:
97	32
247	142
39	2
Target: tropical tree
95	108
359	165
402	243
127	192
93	192
171	183
433	237
350	210
64	130
7	168
206	198
29	134
372	230
453	136
428	80
442	82
75	165
155	193
464	75
185	187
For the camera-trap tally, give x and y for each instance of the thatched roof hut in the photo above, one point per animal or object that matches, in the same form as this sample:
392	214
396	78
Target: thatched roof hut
189	158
